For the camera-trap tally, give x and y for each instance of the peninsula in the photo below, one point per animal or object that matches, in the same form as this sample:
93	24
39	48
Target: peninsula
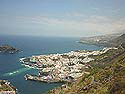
67	67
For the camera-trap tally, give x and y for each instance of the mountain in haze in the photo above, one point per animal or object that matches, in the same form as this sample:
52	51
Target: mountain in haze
102	40
118	41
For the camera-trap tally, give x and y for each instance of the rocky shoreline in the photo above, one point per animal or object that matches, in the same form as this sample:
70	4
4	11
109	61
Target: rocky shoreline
7	88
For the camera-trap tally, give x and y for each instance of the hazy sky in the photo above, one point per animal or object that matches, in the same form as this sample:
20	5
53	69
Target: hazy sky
61	17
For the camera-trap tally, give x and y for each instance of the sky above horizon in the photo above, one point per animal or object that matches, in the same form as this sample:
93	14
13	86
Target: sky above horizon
67	18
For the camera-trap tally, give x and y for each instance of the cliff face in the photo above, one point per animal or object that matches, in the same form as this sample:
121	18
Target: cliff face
107	75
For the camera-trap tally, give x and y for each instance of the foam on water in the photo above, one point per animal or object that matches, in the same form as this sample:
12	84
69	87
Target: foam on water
16	72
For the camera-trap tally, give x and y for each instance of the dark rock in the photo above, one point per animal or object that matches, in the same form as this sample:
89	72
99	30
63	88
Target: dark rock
8	49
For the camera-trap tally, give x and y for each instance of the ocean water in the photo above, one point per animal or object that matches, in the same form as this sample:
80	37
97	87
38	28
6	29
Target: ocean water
12	70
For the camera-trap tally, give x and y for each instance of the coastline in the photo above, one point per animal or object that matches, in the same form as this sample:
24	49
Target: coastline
32	47
66	67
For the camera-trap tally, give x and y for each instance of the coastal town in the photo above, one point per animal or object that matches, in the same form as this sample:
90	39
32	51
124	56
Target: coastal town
66	67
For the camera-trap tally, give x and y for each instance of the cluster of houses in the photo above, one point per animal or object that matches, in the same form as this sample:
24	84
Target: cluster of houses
61	67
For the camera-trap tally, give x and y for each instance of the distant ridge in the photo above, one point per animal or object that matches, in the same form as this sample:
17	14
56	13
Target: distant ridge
118	41
102	40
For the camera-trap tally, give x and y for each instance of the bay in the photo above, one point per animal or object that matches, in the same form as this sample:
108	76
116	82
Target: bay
12	70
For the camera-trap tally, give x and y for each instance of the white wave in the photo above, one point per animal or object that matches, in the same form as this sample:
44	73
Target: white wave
16	72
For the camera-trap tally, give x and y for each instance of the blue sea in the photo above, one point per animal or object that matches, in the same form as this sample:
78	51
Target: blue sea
12	70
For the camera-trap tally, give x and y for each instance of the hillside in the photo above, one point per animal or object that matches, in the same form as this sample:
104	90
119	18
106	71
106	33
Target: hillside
107	74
